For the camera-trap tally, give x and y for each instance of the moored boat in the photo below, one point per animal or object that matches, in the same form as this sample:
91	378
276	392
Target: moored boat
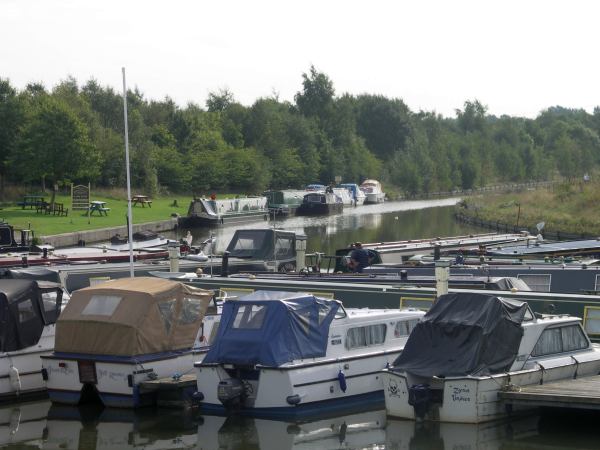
320	203
231	211
28	312
357	194
471	346
373	191
284	202
116	334
284	354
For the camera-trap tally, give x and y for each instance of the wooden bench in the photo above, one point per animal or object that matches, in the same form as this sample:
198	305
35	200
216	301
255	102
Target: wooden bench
141	200
58	209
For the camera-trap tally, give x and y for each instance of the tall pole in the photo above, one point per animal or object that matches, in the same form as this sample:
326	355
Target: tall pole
129	214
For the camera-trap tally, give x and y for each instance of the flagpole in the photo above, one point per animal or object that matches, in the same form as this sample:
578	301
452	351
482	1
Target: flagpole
129	215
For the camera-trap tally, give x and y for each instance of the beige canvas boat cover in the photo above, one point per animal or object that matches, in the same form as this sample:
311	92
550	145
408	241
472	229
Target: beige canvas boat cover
132	316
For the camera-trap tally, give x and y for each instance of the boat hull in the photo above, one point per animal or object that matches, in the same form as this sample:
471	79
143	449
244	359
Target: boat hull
319	209
374	197
315	385
29	381
475	399
116	381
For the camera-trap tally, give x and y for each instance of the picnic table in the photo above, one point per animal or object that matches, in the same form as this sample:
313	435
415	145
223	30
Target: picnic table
33	201
141	200
98	206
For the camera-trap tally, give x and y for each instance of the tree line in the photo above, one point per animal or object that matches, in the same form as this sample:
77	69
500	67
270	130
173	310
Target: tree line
75	133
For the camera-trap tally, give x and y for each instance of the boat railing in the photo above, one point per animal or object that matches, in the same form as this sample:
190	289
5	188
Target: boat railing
320	262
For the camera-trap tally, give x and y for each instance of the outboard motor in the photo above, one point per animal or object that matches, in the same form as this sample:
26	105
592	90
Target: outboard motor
419	397
231	393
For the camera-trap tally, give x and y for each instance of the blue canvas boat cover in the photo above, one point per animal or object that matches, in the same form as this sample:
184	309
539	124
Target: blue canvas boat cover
272	328
464	334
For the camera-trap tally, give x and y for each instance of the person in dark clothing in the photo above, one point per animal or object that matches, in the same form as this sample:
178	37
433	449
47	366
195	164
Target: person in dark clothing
359	258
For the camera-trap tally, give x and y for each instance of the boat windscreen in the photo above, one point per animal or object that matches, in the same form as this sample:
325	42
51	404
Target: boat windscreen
247	244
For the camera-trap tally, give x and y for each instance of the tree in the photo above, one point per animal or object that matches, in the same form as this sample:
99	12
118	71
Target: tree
55	146
219	101
316	98
11	121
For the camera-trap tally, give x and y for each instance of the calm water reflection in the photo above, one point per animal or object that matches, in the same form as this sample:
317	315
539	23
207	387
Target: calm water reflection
372	223
40	425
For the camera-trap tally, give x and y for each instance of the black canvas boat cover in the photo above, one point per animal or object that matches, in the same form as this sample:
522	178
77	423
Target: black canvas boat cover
20	314
464	334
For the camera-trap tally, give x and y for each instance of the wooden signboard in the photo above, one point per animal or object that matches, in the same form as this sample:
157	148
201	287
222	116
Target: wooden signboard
80	197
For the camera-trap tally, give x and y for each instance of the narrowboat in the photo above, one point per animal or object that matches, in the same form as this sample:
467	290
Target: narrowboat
320	203
284	202
231	211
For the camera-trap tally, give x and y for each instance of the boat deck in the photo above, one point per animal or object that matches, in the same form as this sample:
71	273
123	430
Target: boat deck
578	393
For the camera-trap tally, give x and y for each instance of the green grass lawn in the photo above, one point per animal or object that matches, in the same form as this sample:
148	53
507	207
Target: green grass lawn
48	224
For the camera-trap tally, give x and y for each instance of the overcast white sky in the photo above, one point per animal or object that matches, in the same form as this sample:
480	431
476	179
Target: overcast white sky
516	57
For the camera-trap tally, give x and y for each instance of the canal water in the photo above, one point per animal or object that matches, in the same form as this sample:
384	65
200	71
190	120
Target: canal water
40	425
389	221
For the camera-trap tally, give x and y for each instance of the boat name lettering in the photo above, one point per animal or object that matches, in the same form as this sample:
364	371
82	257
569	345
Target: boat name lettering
461	394
111	375
61	370
336	341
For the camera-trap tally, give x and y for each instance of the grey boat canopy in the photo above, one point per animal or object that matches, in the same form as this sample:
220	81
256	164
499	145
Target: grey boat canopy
464	334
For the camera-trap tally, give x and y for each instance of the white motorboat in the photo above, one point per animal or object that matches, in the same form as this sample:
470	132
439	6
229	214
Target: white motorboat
117	334
357	194
28	312
284	354
471	346
344	195
373	191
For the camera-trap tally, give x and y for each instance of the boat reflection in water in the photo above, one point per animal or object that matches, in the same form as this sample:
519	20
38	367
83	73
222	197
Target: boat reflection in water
23	423
38	425
236	432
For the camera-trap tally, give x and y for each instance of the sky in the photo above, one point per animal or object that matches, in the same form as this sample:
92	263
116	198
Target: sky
516	57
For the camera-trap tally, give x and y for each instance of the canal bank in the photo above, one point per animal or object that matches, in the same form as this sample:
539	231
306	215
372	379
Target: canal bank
104	234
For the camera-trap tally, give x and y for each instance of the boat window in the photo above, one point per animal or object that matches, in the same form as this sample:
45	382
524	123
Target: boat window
591	320
285	247
404	327
597	283
191	311
573	338
537	282
6	236
365	336
324	311
249	317
25	309
167	310
560	339
213	333
50	302
101	305
247	243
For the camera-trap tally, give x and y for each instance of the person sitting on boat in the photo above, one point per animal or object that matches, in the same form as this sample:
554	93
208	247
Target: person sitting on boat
359	258
329	188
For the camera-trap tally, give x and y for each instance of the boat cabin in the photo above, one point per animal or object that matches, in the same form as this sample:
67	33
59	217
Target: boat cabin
132	316
8	242
26	307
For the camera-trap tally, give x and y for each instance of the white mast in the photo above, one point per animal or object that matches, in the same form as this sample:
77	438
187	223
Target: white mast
129	214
